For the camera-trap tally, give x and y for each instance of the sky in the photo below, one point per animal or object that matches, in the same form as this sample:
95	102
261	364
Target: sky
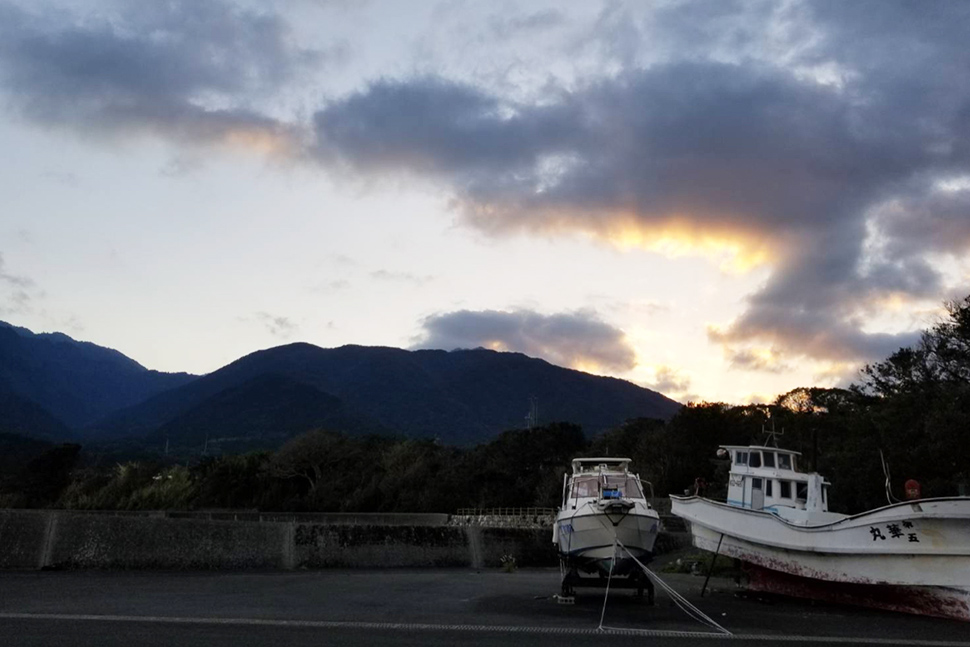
718	200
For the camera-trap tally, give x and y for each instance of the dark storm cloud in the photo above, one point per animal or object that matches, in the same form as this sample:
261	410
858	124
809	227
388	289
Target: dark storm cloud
938	220
187	70
835	181
721	146
577	339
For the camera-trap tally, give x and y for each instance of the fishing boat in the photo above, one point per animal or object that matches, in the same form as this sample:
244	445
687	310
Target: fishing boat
911	556
605	524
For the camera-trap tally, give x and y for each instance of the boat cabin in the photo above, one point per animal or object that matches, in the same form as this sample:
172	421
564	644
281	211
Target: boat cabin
767	478
600	478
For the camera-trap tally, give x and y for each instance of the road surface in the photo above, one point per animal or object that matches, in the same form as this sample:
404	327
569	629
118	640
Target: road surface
414	607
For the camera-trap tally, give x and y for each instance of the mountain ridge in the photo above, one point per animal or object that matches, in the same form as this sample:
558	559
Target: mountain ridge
459	397
76	382
87	393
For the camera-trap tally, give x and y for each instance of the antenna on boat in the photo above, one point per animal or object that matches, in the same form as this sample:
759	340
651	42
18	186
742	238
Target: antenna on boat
889	489
772	434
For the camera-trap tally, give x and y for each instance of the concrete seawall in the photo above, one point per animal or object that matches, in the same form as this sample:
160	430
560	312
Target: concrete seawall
31	539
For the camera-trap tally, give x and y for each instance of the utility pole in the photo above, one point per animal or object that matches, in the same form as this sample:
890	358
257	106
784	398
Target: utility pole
532	418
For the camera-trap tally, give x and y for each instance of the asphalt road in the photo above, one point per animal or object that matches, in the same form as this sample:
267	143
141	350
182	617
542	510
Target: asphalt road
414	607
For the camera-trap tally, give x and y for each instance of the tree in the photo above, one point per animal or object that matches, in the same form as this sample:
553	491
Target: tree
315	458
44	477
921	404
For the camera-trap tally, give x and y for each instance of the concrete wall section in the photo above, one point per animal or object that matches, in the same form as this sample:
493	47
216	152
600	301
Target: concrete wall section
88	541
331	518
317	546
23	537
62	539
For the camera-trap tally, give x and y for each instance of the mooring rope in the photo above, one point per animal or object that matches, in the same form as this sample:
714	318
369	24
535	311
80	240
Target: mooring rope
608	581
682	603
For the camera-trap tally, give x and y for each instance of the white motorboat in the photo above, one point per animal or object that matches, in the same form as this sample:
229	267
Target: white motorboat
602	502
911	556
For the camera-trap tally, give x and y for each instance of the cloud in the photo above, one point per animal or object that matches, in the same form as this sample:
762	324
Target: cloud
17	292
181	166
756	360
277	326
506	26
329	287
574	339
64	178
187	70
788	135
670	380
342	259
819	160
400	277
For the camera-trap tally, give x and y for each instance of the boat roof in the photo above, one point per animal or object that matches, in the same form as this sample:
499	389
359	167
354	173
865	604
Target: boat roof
762	448
591	463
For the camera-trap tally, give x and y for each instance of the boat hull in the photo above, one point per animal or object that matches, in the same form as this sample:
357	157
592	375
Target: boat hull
587	540
860	553
938	601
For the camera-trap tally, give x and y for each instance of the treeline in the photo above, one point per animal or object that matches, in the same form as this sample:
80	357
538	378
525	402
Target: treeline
913	409
318	471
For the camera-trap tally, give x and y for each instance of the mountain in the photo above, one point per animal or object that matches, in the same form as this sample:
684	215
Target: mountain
460	397
22	417
261	413
75	382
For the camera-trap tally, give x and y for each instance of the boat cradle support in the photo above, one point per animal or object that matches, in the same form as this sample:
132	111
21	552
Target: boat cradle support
637	580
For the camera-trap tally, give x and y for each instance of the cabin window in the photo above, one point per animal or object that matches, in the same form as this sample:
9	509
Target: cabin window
784	489
755	459
768	488
756	484
769	458
586	486
801	491
742	458
825	494
784	461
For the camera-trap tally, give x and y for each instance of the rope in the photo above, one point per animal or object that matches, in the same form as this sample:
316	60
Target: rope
608	581
682	603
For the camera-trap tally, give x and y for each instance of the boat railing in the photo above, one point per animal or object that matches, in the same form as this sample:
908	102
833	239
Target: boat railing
507	512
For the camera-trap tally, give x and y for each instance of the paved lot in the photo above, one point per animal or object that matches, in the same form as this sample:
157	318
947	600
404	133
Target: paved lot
405	607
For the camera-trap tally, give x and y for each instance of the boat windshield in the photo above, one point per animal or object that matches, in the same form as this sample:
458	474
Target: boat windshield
586	486
623	486
627	485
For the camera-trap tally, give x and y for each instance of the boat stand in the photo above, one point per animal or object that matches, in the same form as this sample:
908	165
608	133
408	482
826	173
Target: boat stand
571	580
